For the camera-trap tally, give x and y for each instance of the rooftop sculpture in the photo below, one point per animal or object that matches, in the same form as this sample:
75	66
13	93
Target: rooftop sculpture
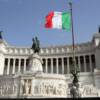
36	45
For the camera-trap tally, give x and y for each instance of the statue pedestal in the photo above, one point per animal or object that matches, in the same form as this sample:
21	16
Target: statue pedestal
35	63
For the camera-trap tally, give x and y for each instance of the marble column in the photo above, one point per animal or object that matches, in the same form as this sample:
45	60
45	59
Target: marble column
84	63
57	66
68	70
51	65
8	67
79	64
46	66
19	65
13	66
24	65
90	63
62	65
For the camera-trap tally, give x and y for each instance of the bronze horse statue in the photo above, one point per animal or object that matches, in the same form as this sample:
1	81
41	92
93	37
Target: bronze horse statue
36	45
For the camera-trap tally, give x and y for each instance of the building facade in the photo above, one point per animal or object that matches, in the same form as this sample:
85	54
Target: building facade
57	60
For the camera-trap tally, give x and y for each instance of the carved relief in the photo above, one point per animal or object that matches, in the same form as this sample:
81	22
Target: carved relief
88	90
26	86
7	87
50	88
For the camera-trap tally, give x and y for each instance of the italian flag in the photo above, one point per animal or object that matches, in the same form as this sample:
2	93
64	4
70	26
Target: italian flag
58	20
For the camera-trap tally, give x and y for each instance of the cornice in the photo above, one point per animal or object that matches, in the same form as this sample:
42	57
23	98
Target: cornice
52	50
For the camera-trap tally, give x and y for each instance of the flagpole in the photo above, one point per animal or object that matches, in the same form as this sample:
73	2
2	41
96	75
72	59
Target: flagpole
73	41
75	70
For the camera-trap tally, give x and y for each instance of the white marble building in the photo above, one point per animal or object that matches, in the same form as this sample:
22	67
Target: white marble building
57	62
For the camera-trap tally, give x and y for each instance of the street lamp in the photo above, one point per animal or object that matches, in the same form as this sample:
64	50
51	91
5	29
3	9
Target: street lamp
74	89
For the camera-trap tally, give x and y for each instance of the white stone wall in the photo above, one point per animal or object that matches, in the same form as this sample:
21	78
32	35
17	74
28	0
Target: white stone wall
1	63
44	85
2	51
9	86
97	78
86	78
97	56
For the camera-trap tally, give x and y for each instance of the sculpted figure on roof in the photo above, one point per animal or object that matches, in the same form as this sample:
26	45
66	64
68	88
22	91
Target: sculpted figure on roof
36	45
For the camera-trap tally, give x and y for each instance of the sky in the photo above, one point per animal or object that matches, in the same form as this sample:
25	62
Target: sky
21	20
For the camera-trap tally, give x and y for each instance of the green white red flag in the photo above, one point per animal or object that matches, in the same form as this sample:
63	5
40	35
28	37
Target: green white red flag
58	20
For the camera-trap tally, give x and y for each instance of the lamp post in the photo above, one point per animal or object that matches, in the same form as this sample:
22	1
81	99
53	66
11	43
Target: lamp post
74	89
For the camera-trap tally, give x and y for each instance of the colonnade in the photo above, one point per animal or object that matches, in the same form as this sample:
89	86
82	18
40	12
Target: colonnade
58	65
63	65
13	65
